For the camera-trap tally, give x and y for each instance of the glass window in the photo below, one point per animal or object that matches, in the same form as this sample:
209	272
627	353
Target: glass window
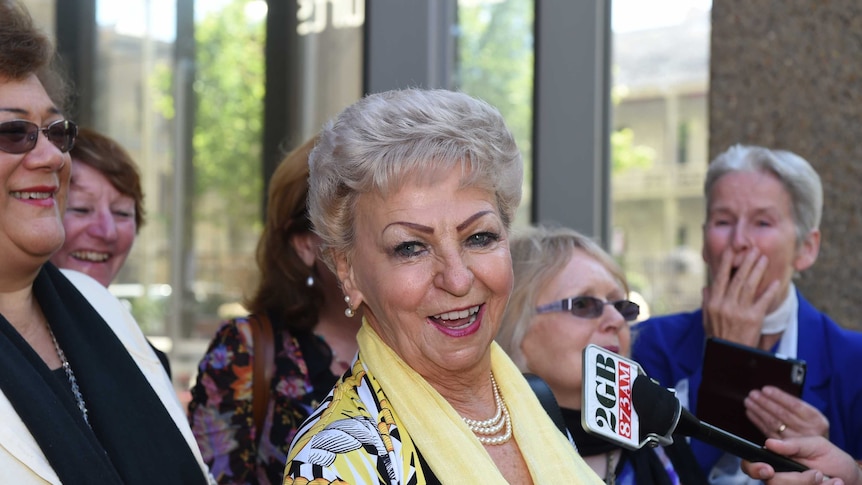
202	209
495	63
43	13
659	147
188	107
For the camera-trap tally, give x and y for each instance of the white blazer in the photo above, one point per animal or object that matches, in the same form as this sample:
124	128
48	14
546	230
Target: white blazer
21	459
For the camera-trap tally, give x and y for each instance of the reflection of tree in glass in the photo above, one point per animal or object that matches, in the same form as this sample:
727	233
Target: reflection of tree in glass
496	60
228	128
625	154
226	176
149	313
229	86
495	63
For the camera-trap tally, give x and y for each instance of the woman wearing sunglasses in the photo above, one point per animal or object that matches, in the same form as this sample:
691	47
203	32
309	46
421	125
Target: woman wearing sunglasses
569	293
83	399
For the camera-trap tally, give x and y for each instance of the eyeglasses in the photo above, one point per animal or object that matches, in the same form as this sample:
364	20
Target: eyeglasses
589	307
19	136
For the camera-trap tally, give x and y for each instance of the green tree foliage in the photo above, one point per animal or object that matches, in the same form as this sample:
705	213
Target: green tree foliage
626	155
229	86
495	63
496	60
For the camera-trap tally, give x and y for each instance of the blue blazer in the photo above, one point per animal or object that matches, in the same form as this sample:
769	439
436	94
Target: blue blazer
670	348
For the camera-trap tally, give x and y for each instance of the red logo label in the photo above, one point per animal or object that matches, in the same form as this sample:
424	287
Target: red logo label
625	399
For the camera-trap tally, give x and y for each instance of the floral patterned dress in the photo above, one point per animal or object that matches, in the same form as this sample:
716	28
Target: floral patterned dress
220	411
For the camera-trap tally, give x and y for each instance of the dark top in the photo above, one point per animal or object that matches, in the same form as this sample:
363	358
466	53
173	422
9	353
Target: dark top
125	414
645	466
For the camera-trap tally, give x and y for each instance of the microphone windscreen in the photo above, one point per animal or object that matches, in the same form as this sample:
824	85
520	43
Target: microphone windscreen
657	408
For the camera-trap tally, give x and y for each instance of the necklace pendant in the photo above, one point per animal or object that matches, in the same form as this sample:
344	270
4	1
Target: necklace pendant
70	376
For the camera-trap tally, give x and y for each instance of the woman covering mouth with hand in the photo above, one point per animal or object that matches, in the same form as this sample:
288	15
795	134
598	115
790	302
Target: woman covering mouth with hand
762	228
412	193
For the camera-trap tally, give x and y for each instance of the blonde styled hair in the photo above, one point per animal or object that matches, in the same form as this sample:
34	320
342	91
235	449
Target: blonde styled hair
538	255
385	139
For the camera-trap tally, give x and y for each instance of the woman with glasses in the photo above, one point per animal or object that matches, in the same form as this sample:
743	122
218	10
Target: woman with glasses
83	398
569	293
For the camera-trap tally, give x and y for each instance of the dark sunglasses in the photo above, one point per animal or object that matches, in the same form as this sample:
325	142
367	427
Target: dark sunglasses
589	307
19	136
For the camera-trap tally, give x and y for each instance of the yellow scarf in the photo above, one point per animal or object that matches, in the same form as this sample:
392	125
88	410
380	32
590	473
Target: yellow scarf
451	449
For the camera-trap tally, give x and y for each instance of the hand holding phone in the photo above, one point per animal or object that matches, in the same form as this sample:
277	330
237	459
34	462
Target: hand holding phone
624	406
782	415
730	372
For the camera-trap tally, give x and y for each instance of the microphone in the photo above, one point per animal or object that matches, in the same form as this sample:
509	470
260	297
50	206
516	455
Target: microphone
622	405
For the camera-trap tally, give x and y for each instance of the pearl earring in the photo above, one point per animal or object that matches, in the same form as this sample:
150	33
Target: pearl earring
309	282
348	312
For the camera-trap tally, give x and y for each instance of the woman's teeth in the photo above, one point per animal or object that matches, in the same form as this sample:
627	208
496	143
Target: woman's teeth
91	256
459	315
31	195
467	324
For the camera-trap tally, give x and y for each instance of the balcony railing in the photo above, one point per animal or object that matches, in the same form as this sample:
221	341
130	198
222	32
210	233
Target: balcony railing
662	181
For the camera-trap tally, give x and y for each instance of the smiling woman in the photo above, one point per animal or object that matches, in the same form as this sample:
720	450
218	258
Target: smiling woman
413	193
83	399
104	212
570	293
105	209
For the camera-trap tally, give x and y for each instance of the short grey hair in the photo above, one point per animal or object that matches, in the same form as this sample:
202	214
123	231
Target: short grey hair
794	172
538	255
386	139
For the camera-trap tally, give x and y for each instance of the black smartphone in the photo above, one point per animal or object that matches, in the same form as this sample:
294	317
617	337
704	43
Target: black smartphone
730	372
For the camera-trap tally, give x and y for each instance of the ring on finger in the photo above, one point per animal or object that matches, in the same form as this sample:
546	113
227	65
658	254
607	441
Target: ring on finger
781	428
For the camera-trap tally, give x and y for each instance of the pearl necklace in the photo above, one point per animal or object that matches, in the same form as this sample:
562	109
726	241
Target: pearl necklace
488	431
73	383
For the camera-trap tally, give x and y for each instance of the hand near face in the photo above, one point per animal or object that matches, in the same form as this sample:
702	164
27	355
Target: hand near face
752	248
770	408
732	310
828	464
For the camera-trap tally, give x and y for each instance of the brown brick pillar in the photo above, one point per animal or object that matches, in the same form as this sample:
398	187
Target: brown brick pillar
788	74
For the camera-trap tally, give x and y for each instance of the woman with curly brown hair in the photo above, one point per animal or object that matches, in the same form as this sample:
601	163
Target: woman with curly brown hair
299	299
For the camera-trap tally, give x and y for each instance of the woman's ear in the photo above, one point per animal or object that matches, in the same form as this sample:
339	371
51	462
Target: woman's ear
807	253
344	271
306	245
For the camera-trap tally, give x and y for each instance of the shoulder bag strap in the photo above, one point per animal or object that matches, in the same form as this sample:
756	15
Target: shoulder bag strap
546	397
263	354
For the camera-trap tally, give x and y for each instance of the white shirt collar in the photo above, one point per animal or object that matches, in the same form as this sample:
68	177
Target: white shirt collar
785	319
